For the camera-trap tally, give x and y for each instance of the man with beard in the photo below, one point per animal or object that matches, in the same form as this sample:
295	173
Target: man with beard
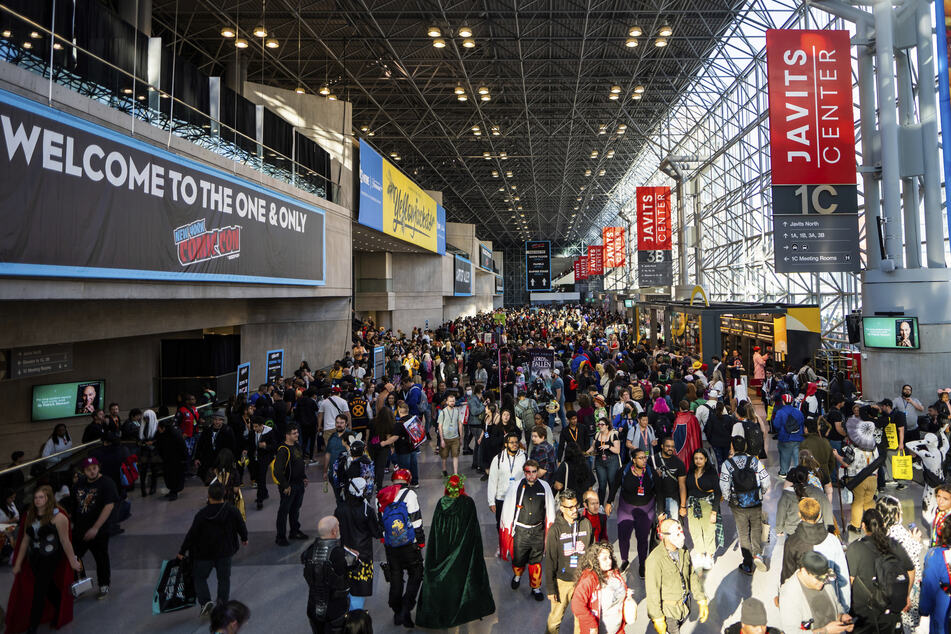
528	511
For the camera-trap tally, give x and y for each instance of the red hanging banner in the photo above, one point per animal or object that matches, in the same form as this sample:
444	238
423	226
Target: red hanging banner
811	121
595	260
613	238
579	270
653	218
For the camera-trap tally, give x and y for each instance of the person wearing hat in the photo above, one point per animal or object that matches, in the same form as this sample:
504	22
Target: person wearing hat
759	368
94	498
752	619
807	599
398	504
211	442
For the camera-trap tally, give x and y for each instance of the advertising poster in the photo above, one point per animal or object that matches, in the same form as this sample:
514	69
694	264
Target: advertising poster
812	151
654	261
485	257
393	204
67	400
499	285
379	362
243	385
613	239
462	276
595	260
84	201
275	365
891	332
538	265
542	362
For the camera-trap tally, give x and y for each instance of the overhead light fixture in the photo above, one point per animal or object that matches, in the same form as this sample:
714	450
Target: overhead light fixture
501	189
638	89
486	155
486	97
576	209
483	90
439	43
517	198
613	96
241	43
259	31
621	127
476	128
459	90
477	132
271	43
434	31
127	91
519	207
371	133
581	188
465	31
587	172
399	158
57	46
635	31
615	90
324	90
462	97
227	31
665	31
578	199
601	172
495	173
602	129
610	154
495	130
364	128
513	186
504	156
508	174
631	42
393	155
468	43
331	97
300	90
594	154
35	35
6	33
636	96
660	42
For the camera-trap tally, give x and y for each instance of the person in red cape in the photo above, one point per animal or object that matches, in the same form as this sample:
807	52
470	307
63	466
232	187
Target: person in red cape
44	567
528	511
687	436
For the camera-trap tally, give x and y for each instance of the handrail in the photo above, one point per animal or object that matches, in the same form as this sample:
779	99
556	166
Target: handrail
303	172
72	450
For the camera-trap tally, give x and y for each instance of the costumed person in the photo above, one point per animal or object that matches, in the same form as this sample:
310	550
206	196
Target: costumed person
403	540
932	450
528	511
43	567
359	526
687	438
456	586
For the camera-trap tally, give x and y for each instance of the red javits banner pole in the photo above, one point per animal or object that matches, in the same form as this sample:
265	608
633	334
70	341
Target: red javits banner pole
613	239
654	262
595	260
812	151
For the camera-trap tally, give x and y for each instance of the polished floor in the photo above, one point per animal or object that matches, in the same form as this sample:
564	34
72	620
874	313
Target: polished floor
269	580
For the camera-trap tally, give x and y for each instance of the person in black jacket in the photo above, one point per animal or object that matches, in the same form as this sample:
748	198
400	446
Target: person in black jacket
171	448
261	444
306	416
96	427
291	479
212	541
327	566
212	440
359	527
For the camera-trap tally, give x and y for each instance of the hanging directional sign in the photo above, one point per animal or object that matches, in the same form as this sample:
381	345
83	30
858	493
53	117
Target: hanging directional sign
812	151
538	265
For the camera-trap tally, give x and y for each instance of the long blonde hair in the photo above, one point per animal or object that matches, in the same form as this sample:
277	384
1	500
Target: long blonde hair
45	515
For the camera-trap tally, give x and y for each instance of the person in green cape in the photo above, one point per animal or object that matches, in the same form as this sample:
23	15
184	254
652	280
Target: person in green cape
455	581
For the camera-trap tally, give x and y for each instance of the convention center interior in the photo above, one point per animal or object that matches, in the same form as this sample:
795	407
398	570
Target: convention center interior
475	316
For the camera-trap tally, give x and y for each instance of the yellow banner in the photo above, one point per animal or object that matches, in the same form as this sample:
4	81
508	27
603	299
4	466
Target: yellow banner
409	213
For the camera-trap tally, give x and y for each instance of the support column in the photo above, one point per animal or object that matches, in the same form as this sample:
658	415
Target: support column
928	114
236	72
888	126
870	145
909	184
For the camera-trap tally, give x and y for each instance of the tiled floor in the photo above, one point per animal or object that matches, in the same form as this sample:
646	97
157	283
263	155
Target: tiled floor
269	580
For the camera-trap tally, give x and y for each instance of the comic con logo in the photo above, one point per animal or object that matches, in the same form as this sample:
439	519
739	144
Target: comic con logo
196	244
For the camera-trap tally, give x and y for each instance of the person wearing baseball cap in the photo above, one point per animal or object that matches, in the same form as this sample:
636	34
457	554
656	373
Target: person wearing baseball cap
789	422
94	497
752	619
808	601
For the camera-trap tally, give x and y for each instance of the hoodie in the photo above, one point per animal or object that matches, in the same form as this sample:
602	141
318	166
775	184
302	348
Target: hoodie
214	532
816	537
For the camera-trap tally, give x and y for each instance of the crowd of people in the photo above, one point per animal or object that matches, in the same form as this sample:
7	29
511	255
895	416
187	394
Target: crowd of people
572	422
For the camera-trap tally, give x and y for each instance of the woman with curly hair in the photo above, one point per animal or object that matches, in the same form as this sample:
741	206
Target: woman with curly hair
601	595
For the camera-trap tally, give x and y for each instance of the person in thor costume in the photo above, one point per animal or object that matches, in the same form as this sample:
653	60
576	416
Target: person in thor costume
528	511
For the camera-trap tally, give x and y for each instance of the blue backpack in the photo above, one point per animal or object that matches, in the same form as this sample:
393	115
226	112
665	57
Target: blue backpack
397	527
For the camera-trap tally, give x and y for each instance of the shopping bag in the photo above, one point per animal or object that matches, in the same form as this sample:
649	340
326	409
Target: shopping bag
176	587
901	467
891	433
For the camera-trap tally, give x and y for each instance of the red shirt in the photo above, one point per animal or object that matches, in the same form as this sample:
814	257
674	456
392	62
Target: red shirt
600	528
187	417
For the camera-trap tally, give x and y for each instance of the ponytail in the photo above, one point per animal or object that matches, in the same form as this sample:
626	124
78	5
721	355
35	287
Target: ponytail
875	526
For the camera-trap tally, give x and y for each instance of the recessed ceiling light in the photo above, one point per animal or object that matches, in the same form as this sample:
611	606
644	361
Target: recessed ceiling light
631	42
465	31
227	31
271	43
439	43
468	43
434	31
241	43
660	42
259	31
635	31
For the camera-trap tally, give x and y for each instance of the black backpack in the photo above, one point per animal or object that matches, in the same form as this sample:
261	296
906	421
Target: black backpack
744	479
720	428
890	584
754	438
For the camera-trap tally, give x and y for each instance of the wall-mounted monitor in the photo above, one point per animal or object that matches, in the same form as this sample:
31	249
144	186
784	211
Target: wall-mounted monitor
67	400
891	332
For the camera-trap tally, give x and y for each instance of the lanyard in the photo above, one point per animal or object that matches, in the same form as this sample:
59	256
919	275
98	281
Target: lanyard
574	436
511	462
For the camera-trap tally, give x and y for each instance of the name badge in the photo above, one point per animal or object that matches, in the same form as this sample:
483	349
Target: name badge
573	561
640	490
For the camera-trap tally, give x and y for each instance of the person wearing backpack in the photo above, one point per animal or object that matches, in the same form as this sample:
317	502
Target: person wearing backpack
882	577
789	423
718	428
403	541
288	471
744	483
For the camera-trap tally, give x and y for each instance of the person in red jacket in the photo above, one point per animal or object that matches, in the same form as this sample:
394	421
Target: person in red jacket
599	520
601	594
687	436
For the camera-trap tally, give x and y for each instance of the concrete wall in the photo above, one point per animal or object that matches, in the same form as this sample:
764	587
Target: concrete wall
419	283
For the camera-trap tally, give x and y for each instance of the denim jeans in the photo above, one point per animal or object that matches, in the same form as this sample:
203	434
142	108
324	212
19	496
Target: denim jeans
408	461
672	508
722	454
788	456
837	445
606	471
202	569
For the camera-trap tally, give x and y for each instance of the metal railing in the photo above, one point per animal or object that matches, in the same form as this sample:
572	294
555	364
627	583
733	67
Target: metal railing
143	101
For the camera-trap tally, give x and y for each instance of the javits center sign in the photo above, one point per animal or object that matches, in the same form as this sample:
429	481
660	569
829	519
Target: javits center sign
80	200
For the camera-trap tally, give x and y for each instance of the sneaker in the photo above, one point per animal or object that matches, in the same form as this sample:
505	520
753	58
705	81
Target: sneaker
206	609
891	484
709	562
759	563
640	569
623	567
103	592
900	486
746	570
537	594
485	476
516	582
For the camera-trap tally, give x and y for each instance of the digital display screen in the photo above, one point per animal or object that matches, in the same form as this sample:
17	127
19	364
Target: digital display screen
891	332
67	400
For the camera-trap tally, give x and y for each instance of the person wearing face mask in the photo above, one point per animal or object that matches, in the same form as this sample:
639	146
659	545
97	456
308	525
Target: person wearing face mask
671	581
565	546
